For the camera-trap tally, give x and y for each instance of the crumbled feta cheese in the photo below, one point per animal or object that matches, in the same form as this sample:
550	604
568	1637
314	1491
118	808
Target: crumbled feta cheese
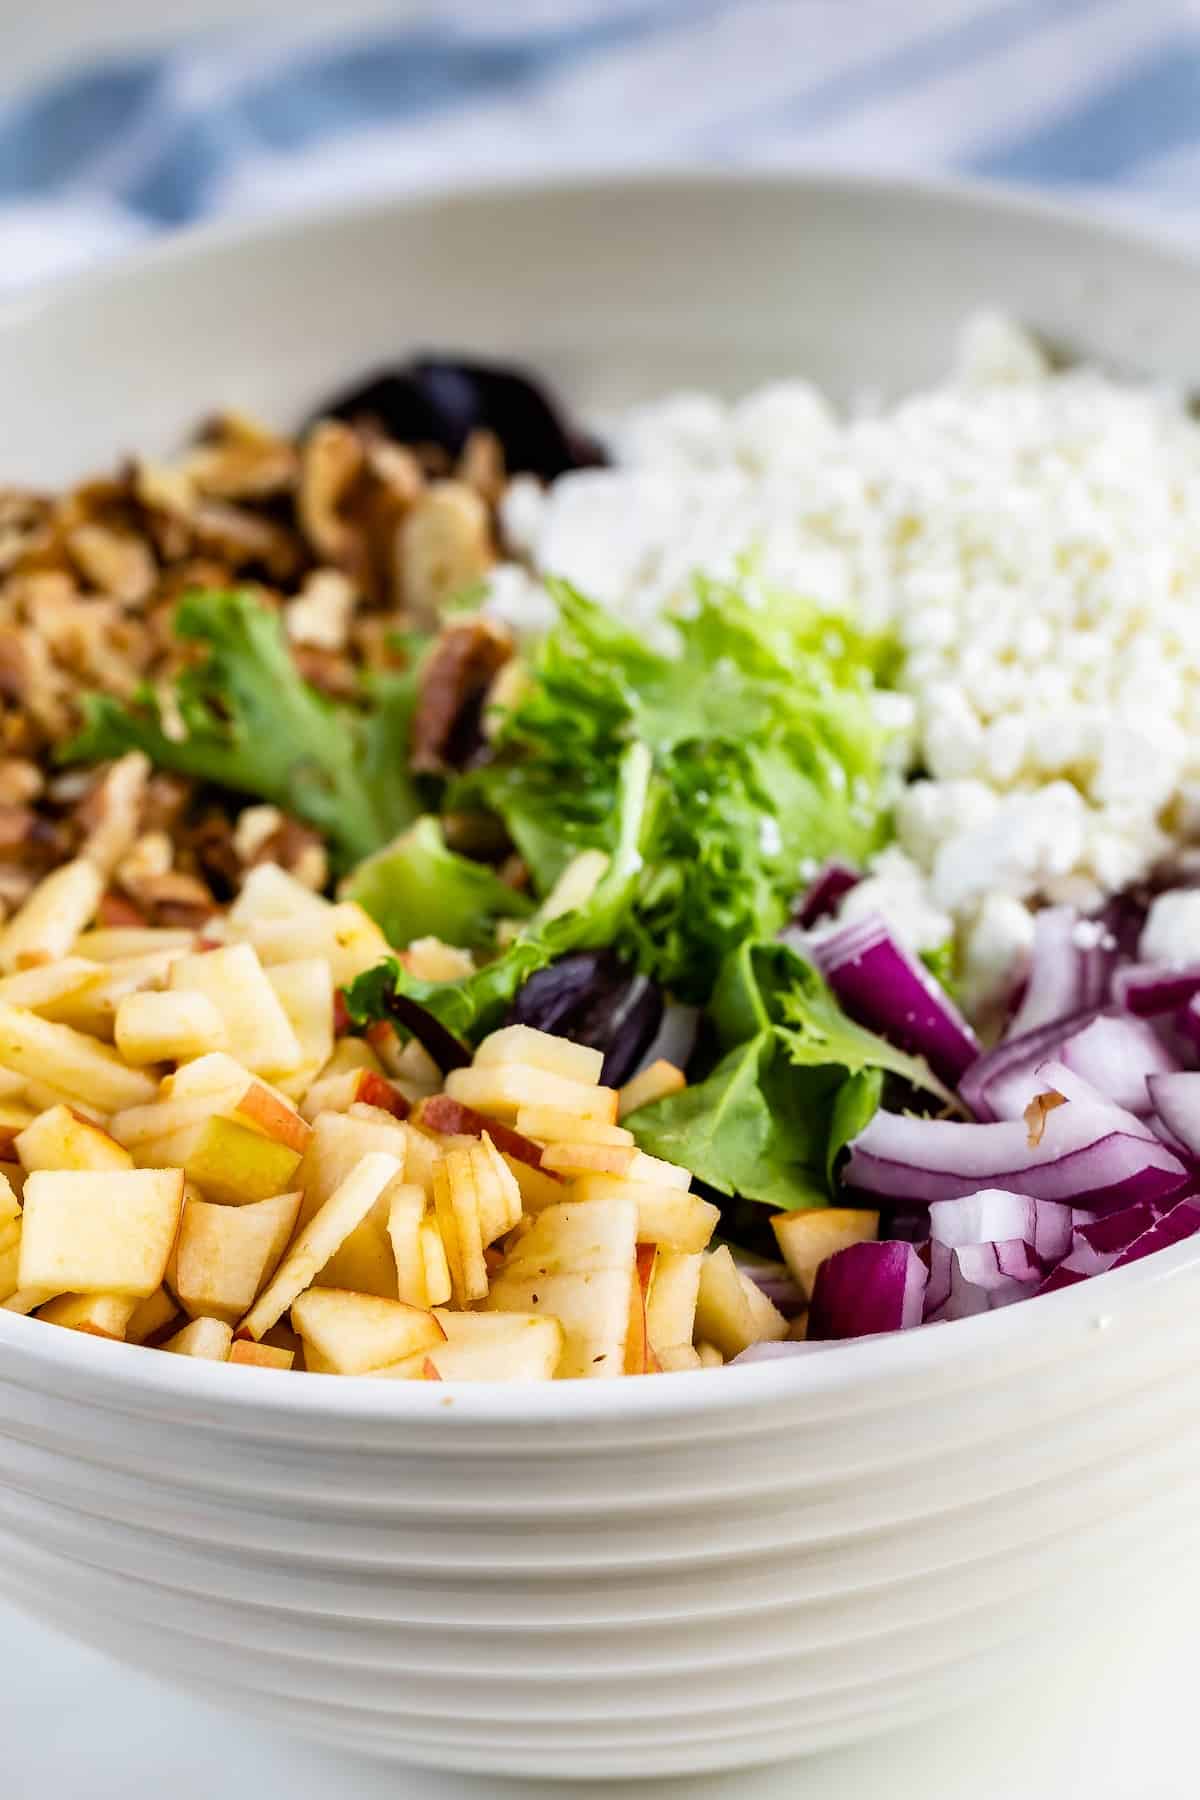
994	948
1171	933
895	889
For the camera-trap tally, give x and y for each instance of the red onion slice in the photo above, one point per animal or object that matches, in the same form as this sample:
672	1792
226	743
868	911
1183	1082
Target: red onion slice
993	1215
1001	1083
1183	1221
1080	1159
1069	969
866	1289
1118	1054
1148	989
820	899
883	986
1176	1100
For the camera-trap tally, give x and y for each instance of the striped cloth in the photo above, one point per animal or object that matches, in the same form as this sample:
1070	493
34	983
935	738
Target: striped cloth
1095	97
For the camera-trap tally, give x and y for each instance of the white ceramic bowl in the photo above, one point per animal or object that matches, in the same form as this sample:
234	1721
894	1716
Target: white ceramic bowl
645	1576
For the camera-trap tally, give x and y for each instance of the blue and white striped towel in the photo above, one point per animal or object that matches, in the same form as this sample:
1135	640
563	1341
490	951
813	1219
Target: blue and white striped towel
1094	96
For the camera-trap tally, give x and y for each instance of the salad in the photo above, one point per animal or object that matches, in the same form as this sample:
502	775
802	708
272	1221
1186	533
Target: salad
417	966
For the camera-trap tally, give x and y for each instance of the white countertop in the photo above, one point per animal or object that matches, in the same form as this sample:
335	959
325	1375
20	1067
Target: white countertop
1116	1723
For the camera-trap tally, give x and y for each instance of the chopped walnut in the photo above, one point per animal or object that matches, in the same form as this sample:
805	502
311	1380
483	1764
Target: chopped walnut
113	562
321	612
444	546
256	825
331	462
481	466
456	676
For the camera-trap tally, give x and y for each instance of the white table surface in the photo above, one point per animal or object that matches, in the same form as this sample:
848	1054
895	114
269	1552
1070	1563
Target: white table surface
1115	1723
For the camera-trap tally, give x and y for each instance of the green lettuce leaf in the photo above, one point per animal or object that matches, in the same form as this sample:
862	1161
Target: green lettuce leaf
472	1007
415	887
796	1082
765	751
244	718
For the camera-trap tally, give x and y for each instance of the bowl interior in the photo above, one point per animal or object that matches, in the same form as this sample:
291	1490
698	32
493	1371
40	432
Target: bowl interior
618	288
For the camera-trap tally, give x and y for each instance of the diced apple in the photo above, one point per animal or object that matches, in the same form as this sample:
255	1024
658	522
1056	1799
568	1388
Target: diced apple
553	1125
456	1210
406	1210
678	1359
657	1082
256	1025
50	920
575	1264
228	1162
522	1046
93	1008
366	1262
356	1332
78	1066
159	1027
62	1139
671	1301
429	959
261	1356
728	1314
343	935
497	1347
806	1238
119	943
47	983
269	892
338	1093
497	1191
451	1118
305	990
151	1316
14	1119
409	1065
338	1143
350	1053
99	1233
589	1159
438	1286
99	1315
709	1356
504	1088
10	1205
211	1074
540	1188
227	1253
12	1085
208	1339
639	1355
666	1215
316	1243
10	1268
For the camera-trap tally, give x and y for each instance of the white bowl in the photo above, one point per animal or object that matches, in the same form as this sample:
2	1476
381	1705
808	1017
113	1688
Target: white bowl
596	1579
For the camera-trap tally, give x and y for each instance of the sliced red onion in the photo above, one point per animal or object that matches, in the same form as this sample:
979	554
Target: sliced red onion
1118	1053
986	1276
1187	1022
1183	1221
1055	1077
1116	1231
820	899
1061	1277
865	1289
993	1215
1069	969
1001	1083
1176	1100
1080	1159
883	986
1148	989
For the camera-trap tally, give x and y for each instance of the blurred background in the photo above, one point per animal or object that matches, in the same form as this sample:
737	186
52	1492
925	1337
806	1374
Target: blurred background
120	120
